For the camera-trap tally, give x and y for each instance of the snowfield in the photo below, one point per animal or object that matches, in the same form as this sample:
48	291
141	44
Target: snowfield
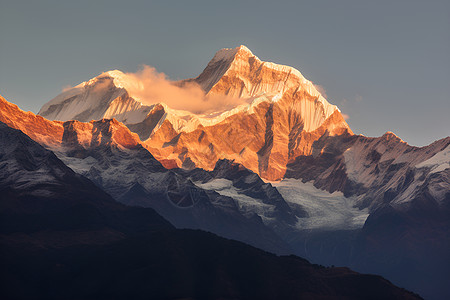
439	162
326	211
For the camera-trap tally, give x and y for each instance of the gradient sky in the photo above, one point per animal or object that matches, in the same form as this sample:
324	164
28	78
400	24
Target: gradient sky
386	64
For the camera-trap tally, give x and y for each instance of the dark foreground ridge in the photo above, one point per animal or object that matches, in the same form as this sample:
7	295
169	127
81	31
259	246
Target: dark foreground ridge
179	264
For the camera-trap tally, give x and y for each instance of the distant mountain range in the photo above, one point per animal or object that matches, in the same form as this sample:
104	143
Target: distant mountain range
281	170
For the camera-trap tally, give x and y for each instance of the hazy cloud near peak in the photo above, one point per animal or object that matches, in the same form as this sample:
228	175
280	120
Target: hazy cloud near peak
66	88
151	86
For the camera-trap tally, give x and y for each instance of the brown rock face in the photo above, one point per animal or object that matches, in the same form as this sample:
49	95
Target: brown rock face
72	134
38	128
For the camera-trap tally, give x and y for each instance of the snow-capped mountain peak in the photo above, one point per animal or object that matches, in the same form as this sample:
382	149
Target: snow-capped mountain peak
116	75
228	54
102	97
271	114
242	62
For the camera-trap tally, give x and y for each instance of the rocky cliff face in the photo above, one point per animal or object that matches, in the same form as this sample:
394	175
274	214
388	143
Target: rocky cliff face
286	115
379	171
57	135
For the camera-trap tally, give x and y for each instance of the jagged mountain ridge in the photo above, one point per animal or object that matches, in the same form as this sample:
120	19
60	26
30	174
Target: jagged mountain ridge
379	171
60	232
285	115
327	166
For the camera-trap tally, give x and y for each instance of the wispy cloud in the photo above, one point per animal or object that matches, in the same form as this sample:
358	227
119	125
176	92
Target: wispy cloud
151	86
66	88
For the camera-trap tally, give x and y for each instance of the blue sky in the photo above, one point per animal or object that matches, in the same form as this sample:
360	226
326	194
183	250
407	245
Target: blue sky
386	64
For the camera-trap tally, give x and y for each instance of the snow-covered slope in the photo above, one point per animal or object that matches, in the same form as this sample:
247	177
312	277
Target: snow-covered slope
102	97
250	193
438	162
326	211
239	73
